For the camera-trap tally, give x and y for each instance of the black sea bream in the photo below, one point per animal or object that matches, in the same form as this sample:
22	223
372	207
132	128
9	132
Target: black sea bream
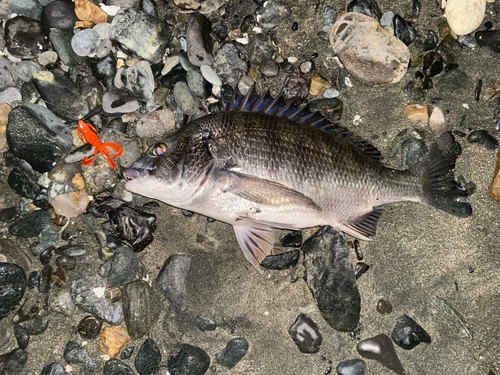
263	164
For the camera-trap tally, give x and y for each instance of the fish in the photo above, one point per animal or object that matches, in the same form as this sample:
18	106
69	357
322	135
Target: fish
262	163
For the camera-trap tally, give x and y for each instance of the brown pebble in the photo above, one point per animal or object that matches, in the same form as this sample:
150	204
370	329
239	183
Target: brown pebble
112	340
59	277
418	113
384	307
361	268
89	327
113	294
495	185
318	85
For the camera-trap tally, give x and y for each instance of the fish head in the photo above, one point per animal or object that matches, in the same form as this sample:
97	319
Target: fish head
160	172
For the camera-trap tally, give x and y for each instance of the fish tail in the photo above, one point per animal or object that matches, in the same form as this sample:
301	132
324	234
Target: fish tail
440	190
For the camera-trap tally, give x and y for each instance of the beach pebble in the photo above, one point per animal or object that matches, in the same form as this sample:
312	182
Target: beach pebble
210	75
148	357
351	367
275	12
118	102
139	80
60	302
489	38
188	4
408	334
305	333
14	253
413	151
234	351
140	33
198	85
292	239
61	95
155	124
61	41
452	81
270	69
185	99
318	85
75	353
84	296
281	261
13	285
54	368
418	113
47	58
116	367
449	50
36	135
112	340
199	42
25	38
327	18
31	225
384	307
437	121
13	362
70	204
465	16
260	49
228	65
89	327
403	30
360	6
28	8
141	307
104	69
172	278
87	11
205	324
432	64
124	266
85	42
188	359
381	348
387	20
59	14
483	138
22	336
133	226
370	53
295	88
326	254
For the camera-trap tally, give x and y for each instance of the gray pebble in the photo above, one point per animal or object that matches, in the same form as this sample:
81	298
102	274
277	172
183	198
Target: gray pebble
85	42
210	75
185	99
10	94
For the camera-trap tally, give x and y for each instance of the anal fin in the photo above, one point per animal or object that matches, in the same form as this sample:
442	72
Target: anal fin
256	241
365	226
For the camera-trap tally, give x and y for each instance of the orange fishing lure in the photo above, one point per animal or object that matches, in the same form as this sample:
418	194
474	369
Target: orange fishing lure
88	132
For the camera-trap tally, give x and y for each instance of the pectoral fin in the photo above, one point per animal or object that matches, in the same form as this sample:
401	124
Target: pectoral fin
266	192
256	241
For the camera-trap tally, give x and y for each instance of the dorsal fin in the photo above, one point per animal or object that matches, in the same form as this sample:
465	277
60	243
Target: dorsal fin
252	102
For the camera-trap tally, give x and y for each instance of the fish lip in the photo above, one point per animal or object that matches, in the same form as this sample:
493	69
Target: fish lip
134	173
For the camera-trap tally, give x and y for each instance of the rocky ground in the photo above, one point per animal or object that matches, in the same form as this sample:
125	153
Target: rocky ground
440	270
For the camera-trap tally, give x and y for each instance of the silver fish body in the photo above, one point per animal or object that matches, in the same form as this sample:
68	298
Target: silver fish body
257	171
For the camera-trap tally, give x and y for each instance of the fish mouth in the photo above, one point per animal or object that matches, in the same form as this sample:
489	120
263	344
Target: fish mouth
133	173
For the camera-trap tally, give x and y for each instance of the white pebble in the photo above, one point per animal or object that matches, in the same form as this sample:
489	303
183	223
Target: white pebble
210	75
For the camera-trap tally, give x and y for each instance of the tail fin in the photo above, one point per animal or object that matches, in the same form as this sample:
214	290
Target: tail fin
439	185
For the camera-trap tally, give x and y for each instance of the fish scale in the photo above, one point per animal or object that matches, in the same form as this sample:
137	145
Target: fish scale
258	171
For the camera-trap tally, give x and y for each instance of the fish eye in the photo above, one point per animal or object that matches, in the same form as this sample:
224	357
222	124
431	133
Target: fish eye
159	149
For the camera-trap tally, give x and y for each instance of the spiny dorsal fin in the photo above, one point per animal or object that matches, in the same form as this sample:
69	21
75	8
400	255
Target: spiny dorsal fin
252	102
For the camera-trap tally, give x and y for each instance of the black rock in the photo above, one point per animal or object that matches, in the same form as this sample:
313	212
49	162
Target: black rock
8	215
432	64
431	41
415	8
360	6
408	333
449	50
36	135
352	367
260	49
292	239
45	279
54	368
380	348
176	74
148	358
188	360
483	138
32	224
74	353
22	336
12	287
139	33
172	278
61	40
124	267
496	121
199	42
221	31
71	250
452	81
295	88
59	14
117	367
275	12
489	38
37	324
14	253
404	30
205	324
413	151
89	327
140	308
234	351
12	363
127	353
331	280
83	296
133	226
33	280
46	255
61	95
282	261
104	69
25	38
305	334
119	102
361	268
22	184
